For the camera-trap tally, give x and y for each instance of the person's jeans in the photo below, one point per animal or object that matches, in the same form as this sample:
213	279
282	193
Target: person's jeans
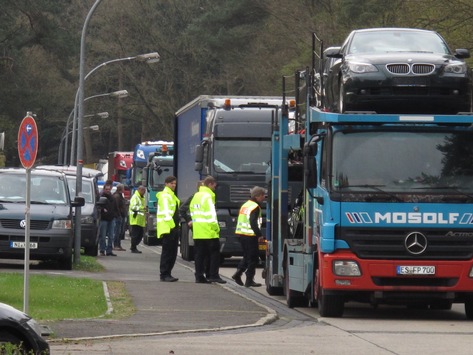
106	236
118	221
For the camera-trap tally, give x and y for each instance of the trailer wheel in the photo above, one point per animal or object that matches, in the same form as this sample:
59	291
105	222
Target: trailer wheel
187	251
469	308
293	298
330	305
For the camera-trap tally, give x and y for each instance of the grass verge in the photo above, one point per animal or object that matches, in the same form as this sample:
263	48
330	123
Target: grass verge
61	297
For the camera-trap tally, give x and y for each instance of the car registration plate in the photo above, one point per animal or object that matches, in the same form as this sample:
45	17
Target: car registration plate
21	245
416	270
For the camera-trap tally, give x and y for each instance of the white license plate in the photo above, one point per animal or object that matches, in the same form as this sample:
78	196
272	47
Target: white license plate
416	270
21	245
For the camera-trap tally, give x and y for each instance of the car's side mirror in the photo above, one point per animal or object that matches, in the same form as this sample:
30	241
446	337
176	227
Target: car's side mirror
79	201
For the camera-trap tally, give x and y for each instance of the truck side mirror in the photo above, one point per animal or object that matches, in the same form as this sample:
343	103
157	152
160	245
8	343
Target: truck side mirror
310	167
199	157
144	176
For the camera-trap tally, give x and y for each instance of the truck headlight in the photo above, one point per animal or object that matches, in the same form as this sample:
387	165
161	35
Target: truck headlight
346	268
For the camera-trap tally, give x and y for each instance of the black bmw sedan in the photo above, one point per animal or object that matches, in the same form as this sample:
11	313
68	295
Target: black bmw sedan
398	70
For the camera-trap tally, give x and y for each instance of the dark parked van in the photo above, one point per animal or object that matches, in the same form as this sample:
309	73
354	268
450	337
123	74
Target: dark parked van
90	217
51	211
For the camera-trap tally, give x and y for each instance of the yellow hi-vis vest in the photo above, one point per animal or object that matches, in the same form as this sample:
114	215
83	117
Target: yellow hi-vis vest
137	204
243	224
168	203
204	216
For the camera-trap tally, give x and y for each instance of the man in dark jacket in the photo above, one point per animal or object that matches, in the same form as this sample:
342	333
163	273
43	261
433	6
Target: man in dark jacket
107	215
120	218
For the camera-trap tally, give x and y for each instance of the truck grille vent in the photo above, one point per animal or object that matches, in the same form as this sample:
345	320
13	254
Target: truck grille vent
389	244
15	224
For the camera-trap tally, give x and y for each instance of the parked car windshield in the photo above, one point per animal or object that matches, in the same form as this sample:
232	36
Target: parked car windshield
407	162
87	188
397	41
244	156
44	189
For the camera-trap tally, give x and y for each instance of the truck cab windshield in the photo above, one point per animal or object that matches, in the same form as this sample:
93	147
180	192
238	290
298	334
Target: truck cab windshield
242	156
387	162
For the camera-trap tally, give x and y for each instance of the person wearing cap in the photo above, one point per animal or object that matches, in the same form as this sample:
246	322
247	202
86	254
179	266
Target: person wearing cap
248	230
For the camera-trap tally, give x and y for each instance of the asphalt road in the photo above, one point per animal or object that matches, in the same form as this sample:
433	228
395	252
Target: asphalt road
188	318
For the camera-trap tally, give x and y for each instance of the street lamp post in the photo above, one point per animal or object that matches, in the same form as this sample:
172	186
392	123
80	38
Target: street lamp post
77	235
80	106
120	94
63	146
148	58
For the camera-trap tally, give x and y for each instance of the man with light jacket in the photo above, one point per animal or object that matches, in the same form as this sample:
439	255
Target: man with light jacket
137	218
167	226
205	231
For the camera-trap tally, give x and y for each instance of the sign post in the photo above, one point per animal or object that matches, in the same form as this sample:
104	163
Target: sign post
27	150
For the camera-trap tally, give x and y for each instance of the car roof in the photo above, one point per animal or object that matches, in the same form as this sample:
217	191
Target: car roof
380	29
34	171
72	170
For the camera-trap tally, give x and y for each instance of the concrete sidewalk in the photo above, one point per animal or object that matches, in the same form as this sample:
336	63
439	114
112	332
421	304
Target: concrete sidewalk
163	307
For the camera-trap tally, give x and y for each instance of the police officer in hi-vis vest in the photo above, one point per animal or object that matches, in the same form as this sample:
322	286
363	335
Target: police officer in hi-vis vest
167	226
137	218
205	231
248	230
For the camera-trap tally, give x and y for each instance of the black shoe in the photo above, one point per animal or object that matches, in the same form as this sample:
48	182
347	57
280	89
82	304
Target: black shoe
111	254
202	280
237	278
136	251
251	283
102	253
218	280
169	279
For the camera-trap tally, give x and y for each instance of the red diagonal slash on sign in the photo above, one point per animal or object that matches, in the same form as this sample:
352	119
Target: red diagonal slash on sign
28	142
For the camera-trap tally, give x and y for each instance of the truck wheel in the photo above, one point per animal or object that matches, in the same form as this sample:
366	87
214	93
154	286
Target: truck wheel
145	238
330	305
469	308
271	290
187	251
293	298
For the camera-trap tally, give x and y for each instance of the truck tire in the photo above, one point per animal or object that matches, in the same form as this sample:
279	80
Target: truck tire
330	305
150	240
469	307
187	251
293	298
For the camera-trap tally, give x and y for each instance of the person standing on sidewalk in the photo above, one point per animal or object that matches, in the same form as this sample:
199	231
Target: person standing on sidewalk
167	226
107	215
137	218
120	218
248	230
206	231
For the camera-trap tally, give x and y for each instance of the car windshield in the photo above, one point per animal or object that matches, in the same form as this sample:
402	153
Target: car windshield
397	41
403	162
87	188
44	189
242	156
